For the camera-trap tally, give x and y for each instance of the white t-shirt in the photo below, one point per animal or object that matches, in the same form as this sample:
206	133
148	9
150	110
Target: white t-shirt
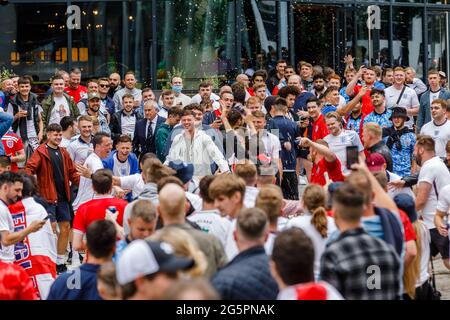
339	143
435	173
304	223
79	150
128	124
85	190
120	169
434	96
409	100
211	222
6	224
133	182
444	199
395	191
60	110
272	146
440	135
250	196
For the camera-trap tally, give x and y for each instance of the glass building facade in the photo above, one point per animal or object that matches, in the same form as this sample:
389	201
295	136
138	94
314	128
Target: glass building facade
211	39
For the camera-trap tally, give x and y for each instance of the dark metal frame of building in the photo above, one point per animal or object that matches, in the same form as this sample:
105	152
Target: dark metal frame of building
428	8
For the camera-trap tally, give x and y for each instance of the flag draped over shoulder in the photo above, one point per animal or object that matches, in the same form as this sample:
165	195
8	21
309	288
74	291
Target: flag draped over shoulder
37	252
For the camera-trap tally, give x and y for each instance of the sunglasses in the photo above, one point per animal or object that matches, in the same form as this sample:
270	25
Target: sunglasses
103	85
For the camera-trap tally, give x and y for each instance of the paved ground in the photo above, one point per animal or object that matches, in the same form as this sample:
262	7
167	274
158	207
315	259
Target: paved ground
442	279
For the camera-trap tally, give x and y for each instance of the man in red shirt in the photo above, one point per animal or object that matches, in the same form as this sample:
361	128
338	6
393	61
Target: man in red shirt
369	77
75	90
13	149
319	127
95	209
324	161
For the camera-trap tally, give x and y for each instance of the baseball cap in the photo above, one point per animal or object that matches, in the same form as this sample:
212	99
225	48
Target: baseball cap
145	257
375	162
442	74
406	203
93	95
184	171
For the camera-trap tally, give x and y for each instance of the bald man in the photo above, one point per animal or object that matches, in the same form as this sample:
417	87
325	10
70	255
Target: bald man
171	209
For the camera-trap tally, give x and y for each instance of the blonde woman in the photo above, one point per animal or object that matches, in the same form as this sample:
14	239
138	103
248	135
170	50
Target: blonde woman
315	222
184	245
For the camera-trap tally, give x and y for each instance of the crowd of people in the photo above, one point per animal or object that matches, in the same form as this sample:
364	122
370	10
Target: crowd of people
297	184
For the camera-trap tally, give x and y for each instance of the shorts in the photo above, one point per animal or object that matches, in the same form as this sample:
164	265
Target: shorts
439	244
60	211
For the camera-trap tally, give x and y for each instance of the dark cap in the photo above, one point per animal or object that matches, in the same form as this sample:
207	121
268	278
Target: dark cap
399	112
184	171
406	203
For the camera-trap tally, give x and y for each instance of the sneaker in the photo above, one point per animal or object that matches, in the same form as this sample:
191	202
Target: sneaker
302	180
61	268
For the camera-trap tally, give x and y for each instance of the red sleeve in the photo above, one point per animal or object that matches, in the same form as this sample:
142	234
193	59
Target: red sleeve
27	289
356	89
79	222
19	145
410	234
335	170
275	91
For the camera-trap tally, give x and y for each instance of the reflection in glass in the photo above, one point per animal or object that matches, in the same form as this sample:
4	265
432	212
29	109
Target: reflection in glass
437	39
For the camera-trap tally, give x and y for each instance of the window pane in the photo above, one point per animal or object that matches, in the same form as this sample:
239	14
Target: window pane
195	38
436	38
32	38
408	40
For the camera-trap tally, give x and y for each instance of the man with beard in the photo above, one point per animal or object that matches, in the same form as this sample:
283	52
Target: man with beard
11	185
380	114
433	177
93	110
400	140
122	162
369	77
318	85
114	84
130	88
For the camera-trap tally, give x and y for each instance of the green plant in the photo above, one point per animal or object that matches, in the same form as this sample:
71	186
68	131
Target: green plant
5	73
175	72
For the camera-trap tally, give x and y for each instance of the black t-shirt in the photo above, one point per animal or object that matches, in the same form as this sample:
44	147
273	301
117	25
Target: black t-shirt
58	172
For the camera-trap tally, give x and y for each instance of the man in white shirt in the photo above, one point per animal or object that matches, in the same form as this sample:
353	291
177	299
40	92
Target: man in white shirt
11	185
209	218
196	147
102	147
82	147
272	145
439	127
69	126
338	139
400	95
433	177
